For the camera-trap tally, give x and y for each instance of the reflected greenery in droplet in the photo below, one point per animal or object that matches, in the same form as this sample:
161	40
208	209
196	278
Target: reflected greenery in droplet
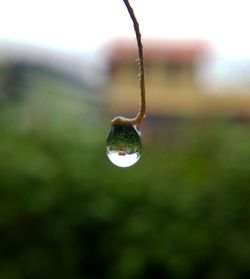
123	145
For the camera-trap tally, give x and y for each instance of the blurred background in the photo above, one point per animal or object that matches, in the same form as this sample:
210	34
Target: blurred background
66	69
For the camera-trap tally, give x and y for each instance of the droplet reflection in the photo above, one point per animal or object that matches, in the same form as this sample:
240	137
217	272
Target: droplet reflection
123	145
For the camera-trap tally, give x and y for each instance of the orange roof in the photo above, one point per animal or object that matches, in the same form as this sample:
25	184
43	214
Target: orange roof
178	51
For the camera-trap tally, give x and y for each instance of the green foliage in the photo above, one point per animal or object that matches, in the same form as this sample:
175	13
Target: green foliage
124	138
66	212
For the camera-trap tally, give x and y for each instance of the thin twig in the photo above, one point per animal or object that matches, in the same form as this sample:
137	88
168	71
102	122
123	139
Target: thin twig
140	116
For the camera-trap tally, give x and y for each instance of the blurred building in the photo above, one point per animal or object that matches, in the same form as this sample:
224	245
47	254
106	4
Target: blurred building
24	65
173	81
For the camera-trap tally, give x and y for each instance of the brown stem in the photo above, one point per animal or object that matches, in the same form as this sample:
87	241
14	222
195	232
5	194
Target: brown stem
140	116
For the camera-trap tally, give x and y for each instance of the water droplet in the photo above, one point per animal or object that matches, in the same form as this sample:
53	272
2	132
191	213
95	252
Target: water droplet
124	145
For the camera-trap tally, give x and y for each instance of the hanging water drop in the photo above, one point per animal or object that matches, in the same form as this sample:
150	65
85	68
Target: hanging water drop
123	145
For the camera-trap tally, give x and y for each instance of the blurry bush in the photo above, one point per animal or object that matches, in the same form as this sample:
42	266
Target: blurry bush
66	212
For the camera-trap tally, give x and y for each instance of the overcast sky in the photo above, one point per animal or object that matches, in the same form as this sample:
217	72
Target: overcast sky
85	25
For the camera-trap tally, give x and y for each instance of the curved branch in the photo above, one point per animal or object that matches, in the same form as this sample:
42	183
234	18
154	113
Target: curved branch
140	116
